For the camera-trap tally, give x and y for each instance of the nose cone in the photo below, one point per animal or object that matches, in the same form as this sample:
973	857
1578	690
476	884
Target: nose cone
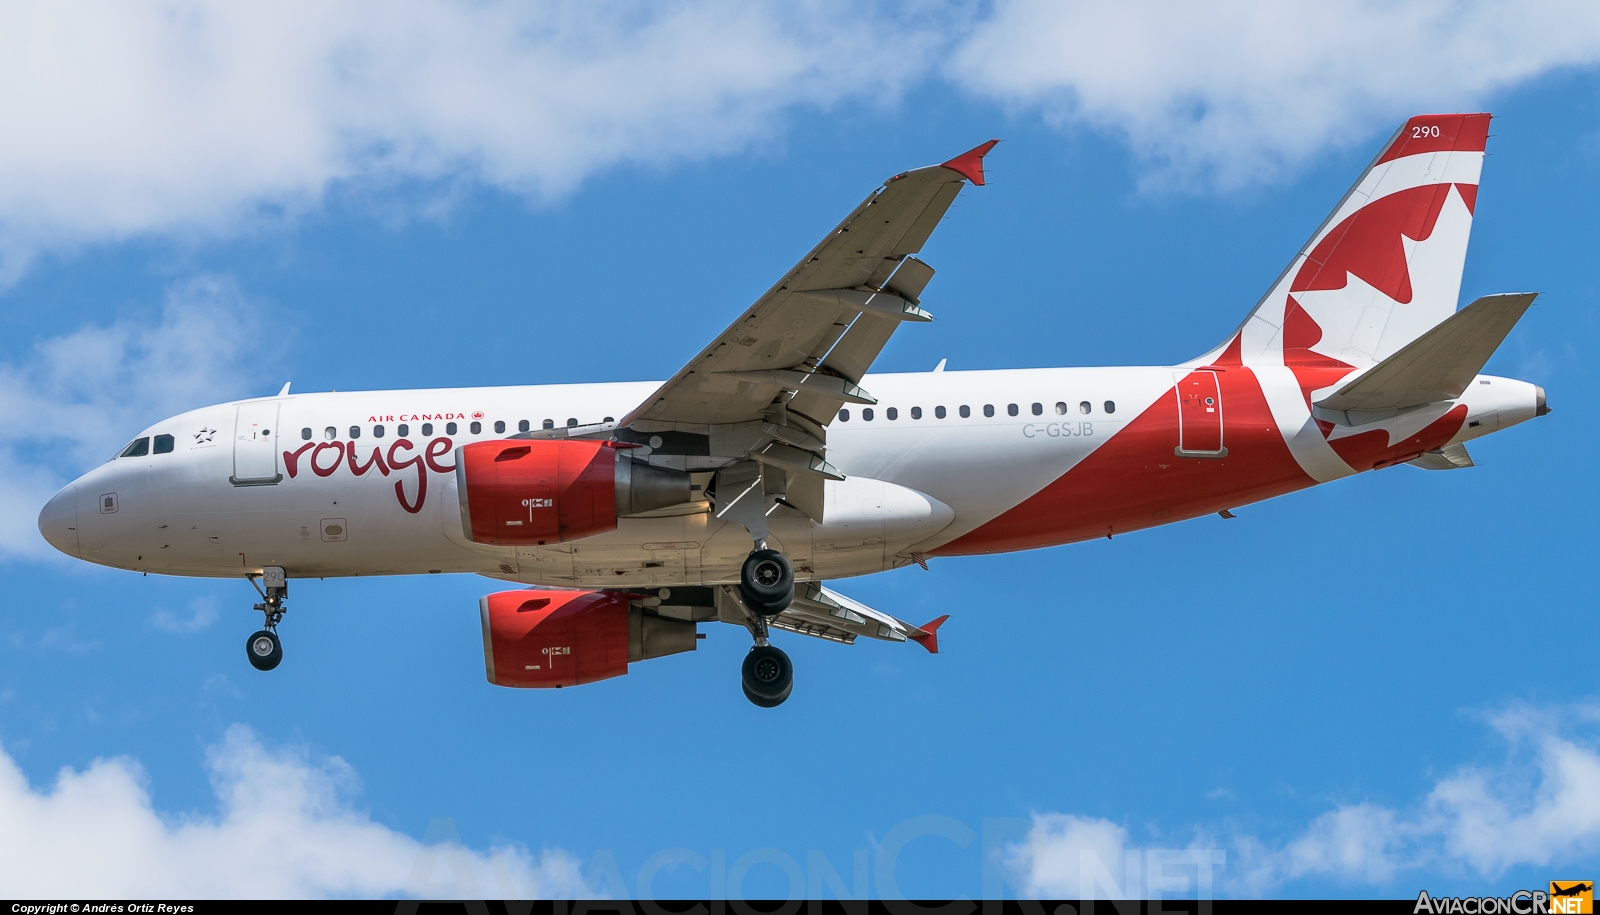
59	521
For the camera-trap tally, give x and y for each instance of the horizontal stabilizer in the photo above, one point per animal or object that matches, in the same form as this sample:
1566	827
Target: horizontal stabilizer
1450	457
927	635
1437	366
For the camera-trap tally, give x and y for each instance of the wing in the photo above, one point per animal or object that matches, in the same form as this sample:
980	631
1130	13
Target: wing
804	345
823	613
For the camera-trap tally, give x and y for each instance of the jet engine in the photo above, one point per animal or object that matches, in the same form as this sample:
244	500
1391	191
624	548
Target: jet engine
521	493
539	638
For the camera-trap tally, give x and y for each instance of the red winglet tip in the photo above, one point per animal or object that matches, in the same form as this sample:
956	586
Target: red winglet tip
928	637
969	164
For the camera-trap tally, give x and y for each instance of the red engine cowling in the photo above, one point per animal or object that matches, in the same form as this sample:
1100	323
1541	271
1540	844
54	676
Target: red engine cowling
539	638
520	493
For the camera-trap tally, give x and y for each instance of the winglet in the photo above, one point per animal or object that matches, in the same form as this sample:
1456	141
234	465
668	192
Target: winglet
926	635
969	164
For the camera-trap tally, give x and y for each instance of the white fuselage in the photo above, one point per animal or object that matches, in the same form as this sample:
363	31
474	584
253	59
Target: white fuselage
274	481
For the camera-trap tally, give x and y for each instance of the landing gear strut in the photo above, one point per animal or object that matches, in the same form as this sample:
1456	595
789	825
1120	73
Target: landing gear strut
767	675
263	648
766	583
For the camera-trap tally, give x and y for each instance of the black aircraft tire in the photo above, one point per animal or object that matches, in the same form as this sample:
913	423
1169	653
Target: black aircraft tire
767	703
264	650
766	582
772	608
767	673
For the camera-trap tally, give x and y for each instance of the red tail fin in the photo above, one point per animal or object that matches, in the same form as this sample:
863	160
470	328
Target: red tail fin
1385	267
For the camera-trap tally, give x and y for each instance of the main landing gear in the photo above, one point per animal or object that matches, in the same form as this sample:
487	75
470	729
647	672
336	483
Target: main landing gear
263	648
766	583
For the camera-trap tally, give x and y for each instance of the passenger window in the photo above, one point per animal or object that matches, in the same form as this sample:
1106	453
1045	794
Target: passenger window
330	433
522	426
139	447
988	409
1111	406
844	416
938	412
305	434
164	444
476	428
866	414
966	411
1061	408
609	419
916	412
1084	407
571	422
449	428
377	432
1011	409
499	425
892	413
427	428
355	431
401	430
1038	409
548	424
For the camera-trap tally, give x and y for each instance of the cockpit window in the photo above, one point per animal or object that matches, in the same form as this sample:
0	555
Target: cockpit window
139	447
164	444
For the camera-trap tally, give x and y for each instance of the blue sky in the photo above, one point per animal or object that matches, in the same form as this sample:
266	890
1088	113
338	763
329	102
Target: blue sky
1375	687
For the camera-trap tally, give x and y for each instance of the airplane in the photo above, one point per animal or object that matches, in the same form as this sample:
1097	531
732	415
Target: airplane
772	463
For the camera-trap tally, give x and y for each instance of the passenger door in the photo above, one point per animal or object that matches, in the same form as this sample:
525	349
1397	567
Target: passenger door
255	446
1199	415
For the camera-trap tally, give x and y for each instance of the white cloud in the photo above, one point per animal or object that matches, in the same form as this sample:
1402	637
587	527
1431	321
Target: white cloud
194	115
190	118
202	613
283	829
75	398
1237	90
1540	807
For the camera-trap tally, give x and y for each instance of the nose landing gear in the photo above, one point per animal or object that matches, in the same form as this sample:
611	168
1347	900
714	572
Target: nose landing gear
263	648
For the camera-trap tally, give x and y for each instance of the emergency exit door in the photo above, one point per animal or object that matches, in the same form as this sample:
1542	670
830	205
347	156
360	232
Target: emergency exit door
1199	415
255	445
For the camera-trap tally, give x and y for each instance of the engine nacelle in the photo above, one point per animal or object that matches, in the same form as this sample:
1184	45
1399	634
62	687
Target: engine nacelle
521	493
538	638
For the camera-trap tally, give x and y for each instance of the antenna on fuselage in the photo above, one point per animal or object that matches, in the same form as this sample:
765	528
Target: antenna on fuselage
937	368
285	389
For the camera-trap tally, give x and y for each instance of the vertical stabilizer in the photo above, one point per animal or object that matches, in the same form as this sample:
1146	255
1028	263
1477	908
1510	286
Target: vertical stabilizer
1385	266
